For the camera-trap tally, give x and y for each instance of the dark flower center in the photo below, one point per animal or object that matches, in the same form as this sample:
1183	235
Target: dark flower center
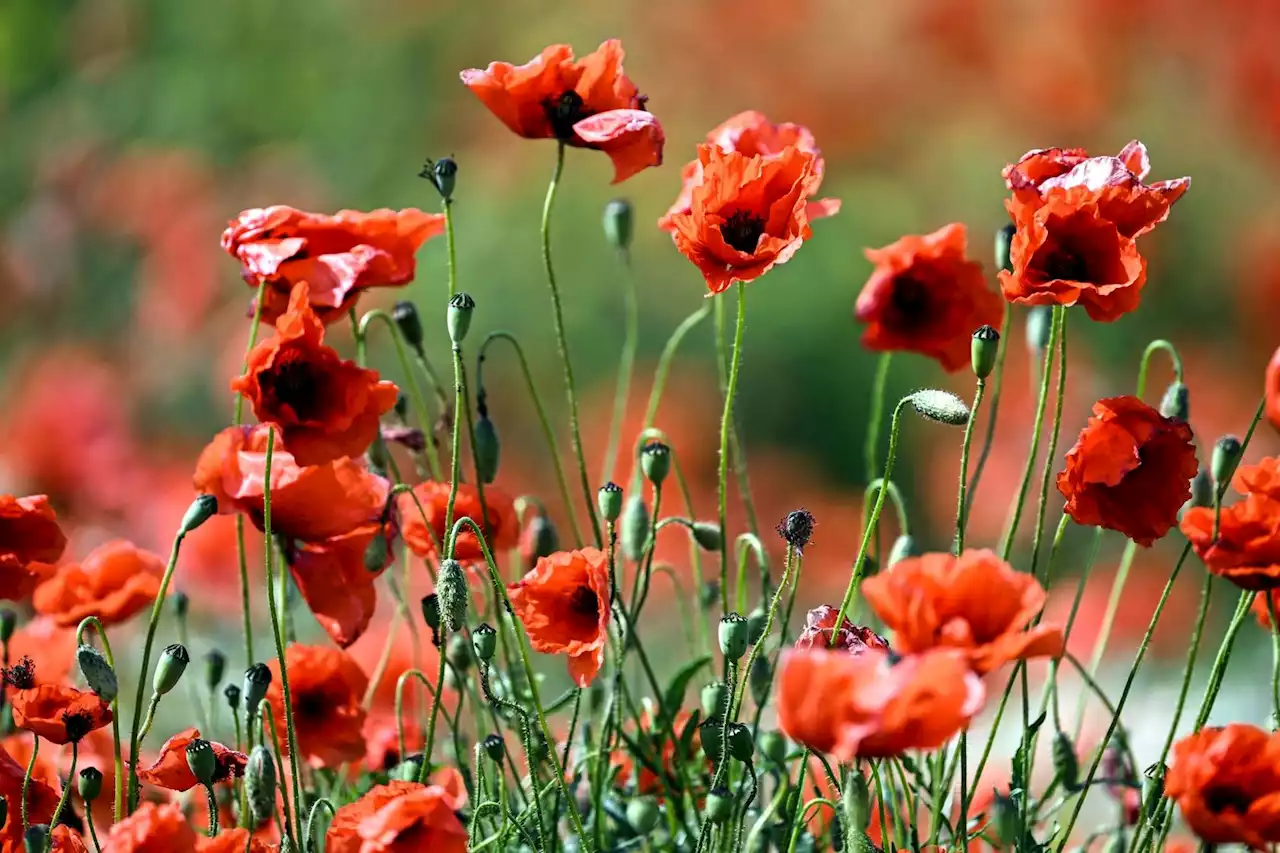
227	767
564	112
78	723
1220	799
310	706
909	300
742	231
22	675
1066	264
294	384
584	602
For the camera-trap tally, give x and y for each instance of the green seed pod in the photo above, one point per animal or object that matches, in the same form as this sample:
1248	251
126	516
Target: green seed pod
451	586
494	748
458	653
760	679
203	508
982	351
458	318
89	784
1006	821
618	223
756	621
407	770
741	744
707	535
609	501
36	838
635	528
181	604
715	700
97	673
485	642
202	761
773	746
257	679
643	814
1039	328
407	320
215	665
1176	403
941	406
855	802
431	615
488	449
711	736
1226	456
543	536
173	662
1004	238
733	634
8	624
232	694
655	462
903	547
1065	762
719	806
797	528
444	174
260	783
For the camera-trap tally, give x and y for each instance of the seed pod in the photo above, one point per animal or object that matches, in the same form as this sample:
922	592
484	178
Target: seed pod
1004	238
715	700
458	318
941	406
618	223
635	528
488	449
458	654
494	748
485	642
773	746
719	806
609	501
203	508
260	784
1039	328
451	586
1226	456
741	745
97	673
655	462
257	679
760	679
202	761
232	694
855	802
733	634
643	814
181	604
903	547
215	665
89	784
982	351
797	528
1176	403
173	662
8	624
708	536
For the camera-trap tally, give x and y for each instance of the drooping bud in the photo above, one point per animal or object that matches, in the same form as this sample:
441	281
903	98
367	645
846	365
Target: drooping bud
757	619
1065	761
655	462
89	784
707	535
618	223
260	783
36	838
494	748
215	665
485	642
733	634
1004	238
903	547
797	528
173	662
642	812
401	407
451	586
940	406
1201	489
773	746
458	318
719	805
202	761
458	653
609	501
709	595
1006	821
741	745
635	528
982	351
8	624
715	700
232	694
181	604
855	802
257	679
1226	456
760	679
203	508
544	539
377	553
97	673
431	615
407	320
1176	403
488	449
1039	328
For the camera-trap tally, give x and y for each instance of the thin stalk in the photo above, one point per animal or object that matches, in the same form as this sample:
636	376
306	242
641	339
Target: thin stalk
871	449
626	367
455	458
726	420
416	397
117	803
997	382
241	553
961	502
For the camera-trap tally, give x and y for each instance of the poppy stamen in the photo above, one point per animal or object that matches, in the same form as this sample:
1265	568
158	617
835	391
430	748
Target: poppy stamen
78	724
584	602
1220	798
22	675
564	112
742	230
910	300
294	384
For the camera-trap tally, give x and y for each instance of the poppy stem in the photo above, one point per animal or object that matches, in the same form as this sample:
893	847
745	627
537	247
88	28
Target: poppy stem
66	789
997	380
26	780
562	343
117	803
879	385
312	815
736	448
269	720
961	500
246	605
1145	363
726	422
626	367
212	802
424	771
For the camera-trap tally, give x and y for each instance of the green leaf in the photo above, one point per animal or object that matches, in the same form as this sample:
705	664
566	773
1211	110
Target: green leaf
673	698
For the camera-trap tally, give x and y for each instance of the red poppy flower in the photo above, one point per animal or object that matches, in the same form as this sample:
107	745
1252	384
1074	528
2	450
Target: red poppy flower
170	769
975	603
382	737
1130	470
423	528
1226	781
325	407
30	539
235	840
926	296
589	103
115	582
400	817
819	625
865	706
746	214
564	605
327	688
64	839
58	714
336	580
45	769
1273	390
752	134
339	256
1246	550
41	801
152	829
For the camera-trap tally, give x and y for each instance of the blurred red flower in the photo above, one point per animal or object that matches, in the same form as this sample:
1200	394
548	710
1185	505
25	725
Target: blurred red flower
58	714
399	817
926	296
114	582
41	801
339	256
325	407
1226	781
235	840
170	769
819	626
30	540
152	828
382	737
1130	470
1273	390
564	606
423	528
64	839
336	578
588	103
1246	550
327	688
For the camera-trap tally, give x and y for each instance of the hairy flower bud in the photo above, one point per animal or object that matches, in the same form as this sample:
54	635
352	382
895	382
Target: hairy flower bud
1226	456
409	322
1201	489
458	318
855	802
733	633
715	700
173	662
1039	328
215	665
97	673
760	679
609	501
458	653
257	679
260	783
543	537
773	746
488	449
202	761
757	619
618	223
941	406
635	527
708	536
643	814
719	805
203	508
1065	761
1006	821
451	586
1176	403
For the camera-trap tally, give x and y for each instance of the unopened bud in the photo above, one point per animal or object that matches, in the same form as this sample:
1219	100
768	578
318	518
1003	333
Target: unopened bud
544	539
1065	762
1176	403
181	604
983	348
443	174
797	528
741	746
232	694
709	595
756	621
1226	456
260	783
458	653
635	528
202	761
407	320
451	586
97	673
173	662
941	406
733	635
485	642
431	615
1039	328
609	501
488	449
903	547
1006	821
401	407
89	784
707	535
618	223
1004	239
760	679
203	508
642	812
855	802
715	700
8	624
655	462
1201	489
257	679
36	838
458	318
719	805
773	746
377	553
215	665
407	770
494	748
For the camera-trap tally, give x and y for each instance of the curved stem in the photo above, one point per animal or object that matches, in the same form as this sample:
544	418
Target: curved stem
1151	350
309	834
626	366
726	421
745	545
872	491
117	803
997	382
416	396
666	358
961	501
871	450
26	780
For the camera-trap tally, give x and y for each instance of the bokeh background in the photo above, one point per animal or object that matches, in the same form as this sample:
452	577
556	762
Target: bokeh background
132	130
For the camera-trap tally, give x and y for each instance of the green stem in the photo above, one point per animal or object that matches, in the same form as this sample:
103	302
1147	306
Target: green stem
961	500
309	834
152	705
241	553
726	421
1220	662
212	802
429	744
416	397
997	382
737	453
455	460
452	248
1275	654
626	367
879	385
117	803
666	358
26	780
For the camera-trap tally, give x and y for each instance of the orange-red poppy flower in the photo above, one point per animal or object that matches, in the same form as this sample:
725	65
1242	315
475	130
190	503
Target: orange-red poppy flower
170	769
151	829
50	647
382	739
925	296
115	582
1130	470
1262	610
336	580
327	688
326	407
819	626
41	801
58	714
18	746
339	256
1246	550
867	706
752	134
746	214
423	527
64	839
1273	389
30	540
564	605
975	603
589	103
400	817
235	840
1226	781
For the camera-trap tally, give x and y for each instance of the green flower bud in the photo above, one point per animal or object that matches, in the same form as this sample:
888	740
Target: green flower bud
655	462
215	665
431	615
1006	821
618	223
643	812
377	553
451	586
8	624
756	621
260	784
1004	238
1153	786
982	351
1176	403
709	595
494	748
407	770
443	174
458	653
458	318
487	447
181	604
733	634
715	700
760	679
203	508
257	679
941	406
719	806
401	407
543	536
855	802
707	535
232	694
202	761
1226	456
609	501
485	642
741	745
797	528
1039	328
97	673
1201	489
773	746
89	784
635	527
903	547
173	662
1065	762
36	838
407	320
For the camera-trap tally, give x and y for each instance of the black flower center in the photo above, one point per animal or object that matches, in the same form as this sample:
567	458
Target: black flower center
564	112
22	675
1066	264
78	723
295	384
1220	799
742	231
310	706
910	300
584	602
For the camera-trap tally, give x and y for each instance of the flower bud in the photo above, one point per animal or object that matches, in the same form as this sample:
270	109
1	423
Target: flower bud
458	653
618	223
1006	821
797	528
232	694
215	665
707	535
8	624
1039	328
203	508
401	407
407	320
97	673
431	615
494	748
655	462
1004	238
941	406
1065	762
609	501
982	351
773	746
451	586
1201	489
543	537
715	700
734	634
458	318
202	761
260	784
642	812
760	679
756	621
181	604
377	553
488	449
903	547
741	745
407	770
444	174
257	679
635	527
89	784
719	806
709	595
485	642
173	662
855	802
1176	403
1153	786
1226	456
36	838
